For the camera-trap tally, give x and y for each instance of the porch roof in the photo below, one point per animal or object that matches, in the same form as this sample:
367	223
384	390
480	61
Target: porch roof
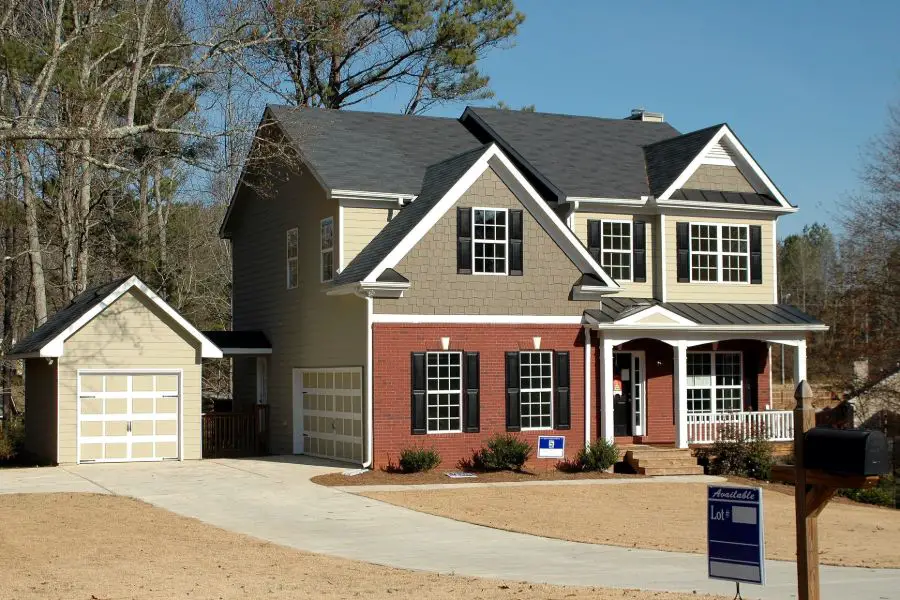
247	343
615	309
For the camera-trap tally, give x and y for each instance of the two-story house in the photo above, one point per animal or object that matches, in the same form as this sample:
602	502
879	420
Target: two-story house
430	282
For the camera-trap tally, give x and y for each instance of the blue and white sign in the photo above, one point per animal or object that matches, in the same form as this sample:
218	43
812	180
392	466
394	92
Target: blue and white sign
551	446
736	536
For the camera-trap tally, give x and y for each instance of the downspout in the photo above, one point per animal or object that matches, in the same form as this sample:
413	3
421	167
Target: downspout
370	417
587	385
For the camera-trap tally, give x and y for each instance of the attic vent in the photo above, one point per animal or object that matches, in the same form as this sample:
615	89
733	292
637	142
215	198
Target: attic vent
719	155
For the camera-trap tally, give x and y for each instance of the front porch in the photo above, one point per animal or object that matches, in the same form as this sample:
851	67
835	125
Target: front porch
664	378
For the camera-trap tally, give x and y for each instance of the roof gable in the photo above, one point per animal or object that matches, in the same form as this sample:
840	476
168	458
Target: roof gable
48	340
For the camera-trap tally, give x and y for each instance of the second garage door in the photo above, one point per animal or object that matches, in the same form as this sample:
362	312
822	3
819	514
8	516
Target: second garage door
328	413
128	416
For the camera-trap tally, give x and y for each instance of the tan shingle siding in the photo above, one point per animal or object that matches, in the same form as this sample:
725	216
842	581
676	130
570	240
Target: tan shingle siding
718	177
436	287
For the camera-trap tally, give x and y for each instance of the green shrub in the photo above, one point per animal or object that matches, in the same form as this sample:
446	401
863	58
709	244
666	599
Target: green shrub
599	456
883	494
417	460
501	453
737	454
12	438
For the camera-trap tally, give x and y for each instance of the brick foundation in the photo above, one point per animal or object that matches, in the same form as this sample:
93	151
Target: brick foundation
393	344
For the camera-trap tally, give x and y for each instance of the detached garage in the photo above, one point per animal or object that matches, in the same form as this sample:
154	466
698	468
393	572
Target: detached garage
114	377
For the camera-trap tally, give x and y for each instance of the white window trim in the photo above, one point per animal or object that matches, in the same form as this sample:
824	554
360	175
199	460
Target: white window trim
429	393
523	389
713	387
629	252
505	240
719	253
288	259
323	252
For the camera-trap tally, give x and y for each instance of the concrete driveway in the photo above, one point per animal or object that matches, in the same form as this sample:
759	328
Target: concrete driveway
273	499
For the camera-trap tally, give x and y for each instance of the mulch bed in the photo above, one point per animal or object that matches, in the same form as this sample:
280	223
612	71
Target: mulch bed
388	478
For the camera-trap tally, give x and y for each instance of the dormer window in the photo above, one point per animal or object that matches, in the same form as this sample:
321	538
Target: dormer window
489	241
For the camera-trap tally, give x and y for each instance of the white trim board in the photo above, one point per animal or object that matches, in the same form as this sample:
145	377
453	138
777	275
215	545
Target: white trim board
494	158
479	319
655	310
55	346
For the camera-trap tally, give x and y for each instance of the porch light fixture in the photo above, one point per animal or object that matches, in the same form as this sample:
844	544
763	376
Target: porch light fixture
537	342
445	343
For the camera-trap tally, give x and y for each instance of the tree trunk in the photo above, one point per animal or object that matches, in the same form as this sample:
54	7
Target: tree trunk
162	220
143	221
35	253
84	219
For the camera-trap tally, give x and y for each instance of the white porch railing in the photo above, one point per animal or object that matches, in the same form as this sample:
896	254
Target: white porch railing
773	425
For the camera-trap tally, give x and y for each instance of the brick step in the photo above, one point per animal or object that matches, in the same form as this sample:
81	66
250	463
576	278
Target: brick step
695	470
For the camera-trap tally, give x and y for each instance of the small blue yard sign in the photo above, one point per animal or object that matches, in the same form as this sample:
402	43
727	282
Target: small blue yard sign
551	446
735	534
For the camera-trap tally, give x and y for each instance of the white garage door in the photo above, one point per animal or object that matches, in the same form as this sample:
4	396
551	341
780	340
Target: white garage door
328	413
128	416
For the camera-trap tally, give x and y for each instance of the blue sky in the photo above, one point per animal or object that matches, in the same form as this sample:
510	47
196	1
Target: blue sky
804	84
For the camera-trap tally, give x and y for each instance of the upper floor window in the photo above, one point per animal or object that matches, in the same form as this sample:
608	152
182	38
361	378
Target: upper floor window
615	243
720	253
326	239
292	257
489	240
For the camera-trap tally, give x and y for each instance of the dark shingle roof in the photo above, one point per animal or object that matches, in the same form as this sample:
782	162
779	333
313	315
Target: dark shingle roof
248	340
579	156
614	308
668	159
58	322
439	178
725	197
373	152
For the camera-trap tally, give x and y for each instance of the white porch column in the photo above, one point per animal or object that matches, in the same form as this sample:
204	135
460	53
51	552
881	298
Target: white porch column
680	385
606	391
588	365
799	362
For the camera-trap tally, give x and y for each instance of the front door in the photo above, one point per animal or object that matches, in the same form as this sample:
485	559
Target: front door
622	394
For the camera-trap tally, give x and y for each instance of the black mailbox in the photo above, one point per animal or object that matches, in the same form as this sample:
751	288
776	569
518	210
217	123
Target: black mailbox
846	451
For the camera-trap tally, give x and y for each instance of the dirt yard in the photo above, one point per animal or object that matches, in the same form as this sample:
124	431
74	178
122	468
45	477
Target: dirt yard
661	516
91	547
378	477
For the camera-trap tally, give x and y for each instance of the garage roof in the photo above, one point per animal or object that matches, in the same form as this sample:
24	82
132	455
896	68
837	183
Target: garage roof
47	340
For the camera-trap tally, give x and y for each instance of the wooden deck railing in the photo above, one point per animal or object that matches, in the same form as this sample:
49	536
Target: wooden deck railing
235	434
773	425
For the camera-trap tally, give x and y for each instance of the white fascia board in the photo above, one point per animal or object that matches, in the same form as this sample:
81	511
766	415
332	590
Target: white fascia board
54	347
478	319
729	137
378	289
612	202
760	329
589	292
245	351
724	207
655	310
383	198
526	194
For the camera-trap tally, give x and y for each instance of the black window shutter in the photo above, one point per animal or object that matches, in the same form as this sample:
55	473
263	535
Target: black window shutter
639	251
513	418
594	240
756	254
683	246
419	425
515	243
471	408
563	408
464	240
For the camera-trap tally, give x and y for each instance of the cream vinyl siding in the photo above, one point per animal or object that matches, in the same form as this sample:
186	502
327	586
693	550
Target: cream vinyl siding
307	328
629	289
360	226
718	292
40	400
131	334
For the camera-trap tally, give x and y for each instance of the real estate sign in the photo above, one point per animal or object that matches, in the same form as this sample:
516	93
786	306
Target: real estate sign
736	545
551	446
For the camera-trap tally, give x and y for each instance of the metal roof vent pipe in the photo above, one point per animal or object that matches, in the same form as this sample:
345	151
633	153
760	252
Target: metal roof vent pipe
639	114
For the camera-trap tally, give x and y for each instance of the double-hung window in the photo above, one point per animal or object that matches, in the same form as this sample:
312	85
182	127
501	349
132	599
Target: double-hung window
616	249
326	244
720	253
292	258
536	391
714	381
489	242
443	383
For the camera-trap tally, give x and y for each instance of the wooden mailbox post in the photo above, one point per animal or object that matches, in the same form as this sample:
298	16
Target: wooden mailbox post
813	488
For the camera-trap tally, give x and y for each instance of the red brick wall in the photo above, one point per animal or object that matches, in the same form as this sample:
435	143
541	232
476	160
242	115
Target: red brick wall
393	344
